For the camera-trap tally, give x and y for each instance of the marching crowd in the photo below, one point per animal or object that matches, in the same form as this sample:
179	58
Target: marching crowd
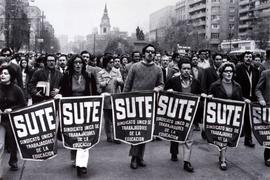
244	78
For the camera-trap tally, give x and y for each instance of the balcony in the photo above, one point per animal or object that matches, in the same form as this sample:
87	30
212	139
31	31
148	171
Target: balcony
243	18
243	10
197	8
200	23
195	1
244	2
198	15
244	26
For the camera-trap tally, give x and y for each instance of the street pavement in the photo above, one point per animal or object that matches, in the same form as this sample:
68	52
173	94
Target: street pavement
111	161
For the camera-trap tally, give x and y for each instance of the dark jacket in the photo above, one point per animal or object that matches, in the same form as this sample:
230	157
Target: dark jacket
66	85
11	96
42	75
174	84
242	78
263	87
217	90
209	76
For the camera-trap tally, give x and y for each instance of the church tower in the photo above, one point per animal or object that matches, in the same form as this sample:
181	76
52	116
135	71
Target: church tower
105	22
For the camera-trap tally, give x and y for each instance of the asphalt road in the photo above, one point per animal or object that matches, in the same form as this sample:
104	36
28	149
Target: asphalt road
111	161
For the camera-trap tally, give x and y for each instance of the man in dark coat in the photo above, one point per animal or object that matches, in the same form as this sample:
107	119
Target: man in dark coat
247	76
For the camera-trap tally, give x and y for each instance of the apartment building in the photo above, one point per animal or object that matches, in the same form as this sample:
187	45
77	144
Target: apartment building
251	14
214	20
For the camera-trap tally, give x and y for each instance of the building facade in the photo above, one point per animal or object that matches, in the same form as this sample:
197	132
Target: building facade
254	14
159	20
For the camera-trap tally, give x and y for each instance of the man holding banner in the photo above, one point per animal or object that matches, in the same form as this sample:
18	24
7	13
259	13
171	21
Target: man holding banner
144	75
263	95
224	88
189	85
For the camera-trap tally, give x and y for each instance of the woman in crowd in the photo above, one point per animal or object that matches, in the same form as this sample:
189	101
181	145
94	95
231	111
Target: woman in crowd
226	88
77	82
11	97
26	75
110	82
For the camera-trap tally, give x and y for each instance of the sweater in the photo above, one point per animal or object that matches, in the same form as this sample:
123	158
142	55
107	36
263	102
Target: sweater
143	76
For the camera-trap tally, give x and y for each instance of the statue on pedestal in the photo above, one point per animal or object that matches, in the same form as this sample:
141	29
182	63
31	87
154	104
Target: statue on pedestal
139	34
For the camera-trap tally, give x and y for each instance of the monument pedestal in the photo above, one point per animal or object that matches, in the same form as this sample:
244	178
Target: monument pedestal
139	45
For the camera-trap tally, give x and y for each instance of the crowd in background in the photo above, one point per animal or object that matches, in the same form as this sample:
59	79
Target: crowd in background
237	77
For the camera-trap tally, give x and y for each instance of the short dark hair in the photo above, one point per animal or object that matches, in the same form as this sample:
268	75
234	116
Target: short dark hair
184	60
217	54
175	54
46	58
132	54
148	45
268	54
11	71
246	52
6	50
106	60
85	52
63	55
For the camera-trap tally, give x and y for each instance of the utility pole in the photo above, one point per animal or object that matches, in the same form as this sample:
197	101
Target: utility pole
42	33
94	48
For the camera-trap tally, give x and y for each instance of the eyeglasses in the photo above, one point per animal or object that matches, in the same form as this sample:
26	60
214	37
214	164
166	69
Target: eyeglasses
86	57
148	51
77	62
228	71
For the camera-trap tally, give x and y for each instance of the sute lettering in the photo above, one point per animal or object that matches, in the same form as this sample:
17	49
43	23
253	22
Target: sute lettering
175	107
128	107
260	114
80	113
35	122
223	114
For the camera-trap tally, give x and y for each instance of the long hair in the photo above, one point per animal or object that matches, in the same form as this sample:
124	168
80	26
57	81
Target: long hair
70	65
11	71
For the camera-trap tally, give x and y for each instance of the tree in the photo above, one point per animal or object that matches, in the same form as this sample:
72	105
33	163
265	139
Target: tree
50	43
118	46
17	25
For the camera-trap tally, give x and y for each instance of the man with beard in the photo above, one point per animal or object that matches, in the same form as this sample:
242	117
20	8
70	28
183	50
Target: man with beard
247	76
144	75
48	77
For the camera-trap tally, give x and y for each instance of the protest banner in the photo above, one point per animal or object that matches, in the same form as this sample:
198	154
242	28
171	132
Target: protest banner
175	115
260	123
133	117
34	129
80	121
223	121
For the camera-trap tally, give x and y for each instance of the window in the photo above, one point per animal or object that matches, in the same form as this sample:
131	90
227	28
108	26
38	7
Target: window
215	17
231	18
215	26
215	8
232	9
214	35
231	26
231	1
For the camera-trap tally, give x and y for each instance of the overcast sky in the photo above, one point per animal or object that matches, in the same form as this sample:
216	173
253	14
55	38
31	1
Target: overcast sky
79	17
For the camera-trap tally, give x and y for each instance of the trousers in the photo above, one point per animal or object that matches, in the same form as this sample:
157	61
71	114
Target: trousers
187	147
2	148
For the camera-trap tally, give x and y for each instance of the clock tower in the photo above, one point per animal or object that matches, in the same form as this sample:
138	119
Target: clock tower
105	22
